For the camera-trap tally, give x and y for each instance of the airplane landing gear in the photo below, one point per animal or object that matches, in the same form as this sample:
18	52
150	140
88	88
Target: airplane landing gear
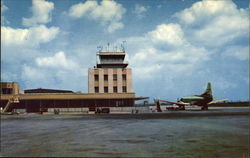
182	107
205	107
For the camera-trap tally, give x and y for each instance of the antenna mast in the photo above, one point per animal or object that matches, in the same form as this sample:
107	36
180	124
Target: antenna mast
97	53
123	46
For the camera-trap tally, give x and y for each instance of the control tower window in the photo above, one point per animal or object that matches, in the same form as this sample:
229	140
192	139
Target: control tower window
124	89
96	89
115	89
96	78
105	77
115	77
124	77
105	89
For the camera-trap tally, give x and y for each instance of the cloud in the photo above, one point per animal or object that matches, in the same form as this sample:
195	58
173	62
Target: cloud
210	21
114	26
59	60
41	11
140	10
57	71
159	6
109	13
238	52
19	46
164	51
80	9
168	33
30	37
33	74
209	9
4	8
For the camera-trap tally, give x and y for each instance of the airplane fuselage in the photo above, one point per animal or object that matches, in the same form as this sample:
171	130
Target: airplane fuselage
196	100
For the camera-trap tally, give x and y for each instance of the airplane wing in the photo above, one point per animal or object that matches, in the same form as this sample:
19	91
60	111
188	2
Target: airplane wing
177	103
217	101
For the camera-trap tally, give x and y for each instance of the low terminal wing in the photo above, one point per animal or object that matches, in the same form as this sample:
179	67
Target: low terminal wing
217	101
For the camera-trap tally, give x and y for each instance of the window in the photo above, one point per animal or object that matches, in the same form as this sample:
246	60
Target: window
96	78
119	103
6	90
124	89
115	77
115	89
96	89
105	77
124	77
106	89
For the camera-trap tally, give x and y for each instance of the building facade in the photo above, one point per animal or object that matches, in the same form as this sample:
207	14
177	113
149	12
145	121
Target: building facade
10	88
111	74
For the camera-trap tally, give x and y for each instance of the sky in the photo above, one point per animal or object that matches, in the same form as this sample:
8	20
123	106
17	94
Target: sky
174	47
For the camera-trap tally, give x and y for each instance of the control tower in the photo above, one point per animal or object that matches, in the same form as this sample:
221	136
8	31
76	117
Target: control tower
111	74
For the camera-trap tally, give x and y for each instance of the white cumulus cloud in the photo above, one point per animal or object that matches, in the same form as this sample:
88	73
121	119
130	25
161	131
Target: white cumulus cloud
168	33
30	37
56	71
59	60
41	11
165	50
205	10
109	13
80	9
210	21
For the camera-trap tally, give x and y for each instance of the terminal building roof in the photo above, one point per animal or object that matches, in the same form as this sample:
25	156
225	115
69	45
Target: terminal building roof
41	90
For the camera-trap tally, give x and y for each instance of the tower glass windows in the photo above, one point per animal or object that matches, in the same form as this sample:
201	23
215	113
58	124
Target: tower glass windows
106	89
96	78
105	77
96	89
124	78
124	89
115	77
115	89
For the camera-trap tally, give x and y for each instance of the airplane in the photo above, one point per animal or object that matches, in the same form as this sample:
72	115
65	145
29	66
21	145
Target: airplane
204	100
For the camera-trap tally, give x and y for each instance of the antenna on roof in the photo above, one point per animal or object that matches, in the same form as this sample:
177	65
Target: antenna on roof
99	48
108	47
97	53
122	46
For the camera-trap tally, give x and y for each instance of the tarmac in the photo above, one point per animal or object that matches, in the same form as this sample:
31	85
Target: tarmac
218	132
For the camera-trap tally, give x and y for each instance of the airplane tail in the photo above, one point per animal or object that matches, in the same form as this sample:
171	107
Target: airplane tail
208	92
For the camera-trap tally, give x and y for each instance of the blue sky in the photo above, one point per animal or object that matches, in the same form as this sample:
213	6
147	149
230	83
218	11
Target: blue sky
173	47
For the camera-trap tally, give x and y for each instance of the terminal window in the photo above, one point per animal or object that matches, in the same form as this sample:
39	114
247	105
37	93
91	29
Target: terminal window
124	77
105	77
115	77
115	89
105	89
124	89
96	89
6	90
96	78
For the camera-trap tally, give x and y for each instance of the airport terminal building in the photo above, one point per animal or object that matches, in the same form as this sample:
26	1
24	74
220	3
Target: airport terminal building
109	85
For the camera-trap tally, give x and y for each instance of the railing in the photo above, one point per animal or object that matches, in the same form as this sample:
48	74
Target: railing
13	99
